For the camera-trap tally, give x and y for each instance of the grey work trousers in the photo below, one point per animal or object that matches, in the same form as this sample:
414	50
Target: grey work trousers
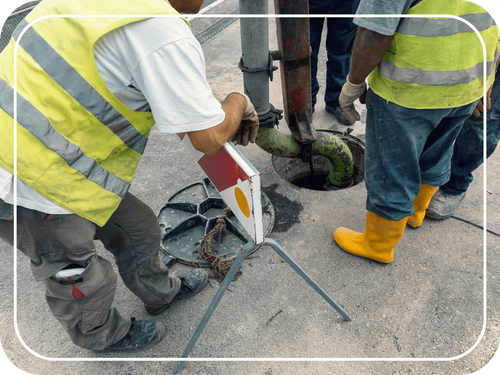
83	305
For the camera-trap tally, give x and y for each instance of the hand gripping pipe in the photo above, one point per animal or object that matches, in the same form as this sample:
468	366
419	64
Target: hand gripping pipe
294	55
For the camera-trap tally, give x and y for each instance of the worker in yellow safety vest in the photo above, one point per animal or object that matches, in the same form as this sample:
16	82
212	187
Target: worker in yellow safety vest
85	92
426	77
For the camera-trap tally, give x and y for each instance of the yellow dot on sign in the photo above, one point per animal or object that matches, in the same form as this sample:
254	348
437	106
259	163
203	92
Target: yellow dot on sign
242	201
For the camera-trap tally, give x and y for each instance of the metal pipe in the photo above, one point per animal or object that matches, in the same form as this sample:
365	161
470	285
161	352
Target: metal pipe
255	53
295	63
293	40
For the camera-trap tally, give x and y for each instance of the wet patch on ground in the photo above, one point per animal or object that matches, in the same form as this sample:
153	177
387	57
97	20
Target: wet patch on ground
286	211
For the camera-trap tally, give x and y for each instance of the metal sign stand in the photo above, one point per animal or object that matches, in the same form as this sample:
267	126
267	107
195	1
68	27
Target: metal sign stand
238	183
229	277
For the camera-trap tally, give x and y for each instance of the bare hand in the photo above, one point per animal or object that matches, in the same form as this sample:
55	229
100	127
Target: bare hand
480	105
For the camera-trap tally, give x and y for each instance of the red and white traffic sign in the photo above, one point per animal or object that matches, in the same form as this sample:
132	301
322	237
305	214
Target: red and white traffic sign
237	181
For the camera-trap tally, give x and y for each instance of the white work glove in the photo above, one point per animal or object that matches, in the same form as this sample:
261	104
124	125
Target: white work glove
350	92
249	126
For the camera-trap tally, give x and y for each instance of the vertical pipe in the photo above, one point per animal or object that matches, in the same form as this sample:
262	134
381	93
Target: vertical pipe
255	53
293	43
295	62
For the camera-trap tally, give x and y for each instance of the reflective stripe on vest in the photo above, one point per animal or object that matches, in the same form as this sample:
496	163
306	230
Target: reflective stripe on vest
435	77
437	62
77	144
45	133
75	85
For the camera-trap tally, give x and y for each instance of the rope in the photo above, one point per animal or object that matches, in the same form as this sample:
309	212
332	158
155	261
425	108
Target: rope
207	251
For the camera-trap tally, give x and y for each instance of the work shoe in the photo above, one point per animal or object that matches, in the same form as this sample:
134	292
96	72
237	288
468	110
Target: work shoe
140	334
338	113
192	283
377	241
443	205
420	204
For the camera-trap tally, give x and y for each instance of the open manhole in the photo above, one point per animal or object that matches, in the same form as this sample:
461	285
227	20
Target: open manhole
298	173
192	212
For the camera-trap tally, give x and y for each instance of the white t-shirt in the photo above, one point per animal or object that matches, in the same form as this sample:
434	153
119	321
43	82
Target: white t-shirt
155	63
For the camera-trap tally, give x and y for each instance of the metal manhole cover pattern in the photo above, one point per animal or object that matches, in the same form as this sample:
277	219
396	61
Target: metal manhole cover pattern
192	212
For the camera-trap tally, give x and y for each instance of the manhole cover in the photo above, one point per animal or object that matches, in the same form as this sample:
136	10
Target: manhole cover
192	212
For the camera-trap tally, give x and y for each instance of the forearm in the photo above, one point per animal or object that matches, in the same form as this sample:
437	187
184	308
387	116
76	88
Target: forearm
211	140
368	51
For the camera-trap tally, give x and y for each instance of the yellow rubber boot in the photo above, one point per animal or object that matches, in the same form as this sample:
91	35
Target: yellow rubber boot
378	240
420	204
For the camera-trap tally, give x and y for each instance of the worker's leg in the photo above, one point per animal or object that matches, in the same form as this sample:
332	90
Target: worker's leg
82	305
376	242
395	138
316	28
133	234
420	204
467	157
468	148
404	149
339	43
468	152
392	178
435	161
439	147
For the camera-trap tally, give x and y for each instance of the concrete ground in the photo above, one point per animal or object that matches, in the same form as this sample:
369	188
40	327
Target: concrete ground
422	314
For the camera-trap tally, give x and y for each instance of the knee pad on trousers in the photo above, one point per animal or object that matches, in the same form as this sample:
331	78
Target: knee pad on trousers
83	299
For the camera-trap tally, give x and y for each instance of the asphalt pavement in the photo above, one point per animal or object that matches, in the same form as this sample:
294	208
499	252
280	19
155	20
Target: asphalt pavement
434	310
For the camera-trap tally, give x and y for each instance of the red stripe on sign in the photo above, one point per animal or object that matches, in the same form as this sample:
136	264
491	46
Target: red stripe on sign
222	170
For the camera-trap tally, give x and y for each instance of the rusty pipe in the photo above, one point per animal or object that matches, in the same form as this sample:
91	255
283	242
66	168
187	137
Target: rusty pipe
294	56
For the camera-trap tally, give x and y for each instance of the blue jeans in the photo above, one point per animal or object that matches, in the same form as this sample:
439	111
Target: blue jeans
406	147
468	149
339	41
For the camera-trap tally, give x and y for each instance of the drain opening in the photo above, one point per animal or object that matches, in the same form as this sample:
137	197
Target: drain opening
298	173
316	182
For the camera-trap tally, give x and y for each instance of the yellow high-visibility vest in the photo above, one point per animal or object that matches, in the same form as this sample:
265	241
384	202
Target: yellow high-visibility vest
435	62
77	144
